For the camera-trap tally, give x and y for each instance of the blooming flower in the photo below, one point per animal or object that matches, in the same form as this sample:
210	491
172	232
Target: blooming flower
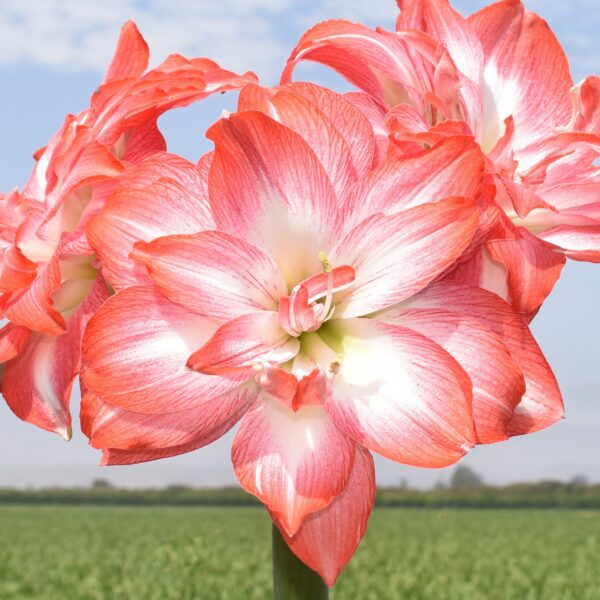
49	282
278	284
502	77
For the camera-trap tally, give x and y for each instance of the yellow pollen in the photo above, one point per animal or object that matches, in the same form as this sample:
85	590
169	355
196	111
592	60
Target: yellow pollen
327	266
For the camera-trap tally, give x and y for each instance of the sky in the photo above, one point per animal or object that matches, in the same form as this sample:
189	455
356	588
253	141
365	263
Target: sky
51	59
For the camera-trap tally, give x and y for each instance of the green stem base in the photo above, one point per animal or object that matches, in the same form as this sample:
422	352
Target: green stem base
292	579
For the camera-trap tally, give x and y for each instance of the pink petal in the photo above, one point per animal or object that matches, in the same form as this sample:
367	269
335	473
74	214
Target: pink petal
541	405
16	270
396	256
337	132
116	456
375	113
243	343
578	243
327	539
33	307
114	427
438	19
400	394
586	101
267	187
160	197
526	73
294	462
390	67
498	383
131	56
213	273
452	168
532	267
135	351
12	340
37	382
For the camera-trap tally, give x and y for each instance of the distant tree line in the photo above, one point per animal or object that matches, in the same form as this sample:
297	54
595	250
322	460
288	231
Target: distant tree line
465	489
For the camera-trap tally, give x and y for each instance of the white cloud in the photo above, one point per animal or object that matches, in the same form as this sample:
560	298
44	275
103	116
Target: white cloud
240	34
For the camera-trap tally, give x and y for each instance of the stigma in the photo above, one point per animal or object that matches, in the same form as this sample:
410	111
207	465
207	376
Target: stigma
311	302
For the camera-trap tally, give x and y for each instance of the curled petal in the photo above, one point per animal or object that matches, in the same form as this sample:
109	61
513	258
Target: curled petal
37	382
131	56
12	340
244	343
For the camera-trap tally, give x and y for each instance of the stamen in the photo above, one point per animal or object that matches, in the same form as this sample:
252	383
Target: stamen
327	266
329	296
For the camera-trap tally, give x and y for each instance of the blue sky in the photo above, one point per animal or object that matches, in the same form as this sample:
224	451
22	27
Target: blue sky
51	59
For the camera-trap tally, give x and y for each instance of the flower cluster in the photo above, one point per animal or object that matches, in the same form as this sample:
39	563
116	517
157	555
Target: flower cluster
343	274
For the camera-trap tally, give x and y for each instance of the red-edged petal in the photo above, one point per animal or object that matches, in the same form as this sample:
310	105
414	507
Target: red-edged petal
586	105
294	462
33	306
400	394
396	256
136	348
37	382
131	56
438	19
155	200
498	383
268	187
12	340
213	273
454	167
116	428
532	269
327	539
541	404
526	73
16	270
576	242
340	136
116	456
243	343
390	67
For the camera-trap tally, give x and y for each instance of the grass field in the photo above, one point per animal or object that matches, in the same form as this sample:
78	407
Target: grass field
187	553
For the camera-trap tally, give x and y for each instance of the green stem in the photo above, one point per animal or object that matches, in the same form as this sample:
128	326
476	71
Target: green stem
292	579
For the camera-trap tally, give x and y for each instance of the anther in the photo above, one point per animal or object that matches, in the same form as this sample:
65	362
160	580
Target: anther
325	262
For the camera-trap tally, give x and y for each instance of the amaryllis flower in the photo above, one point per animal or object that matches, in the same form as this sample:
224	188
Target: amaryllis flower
319	323
502	77
49	280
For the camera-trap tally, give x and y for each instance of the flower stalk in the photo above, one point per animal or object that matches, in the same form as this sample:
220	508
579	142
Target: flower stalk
292	579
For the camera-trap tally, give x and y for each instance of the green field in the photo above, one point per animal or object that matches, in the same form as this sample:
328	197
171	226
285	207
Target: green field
183	553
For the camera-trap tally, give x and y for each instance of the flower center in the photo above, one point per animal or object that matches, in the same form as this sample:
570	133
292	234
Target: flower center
311	302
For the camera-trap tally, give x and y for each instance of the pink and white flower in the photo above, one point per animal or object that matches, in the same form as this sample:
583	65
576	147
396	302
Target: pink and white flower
278	288
49	276
501	77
